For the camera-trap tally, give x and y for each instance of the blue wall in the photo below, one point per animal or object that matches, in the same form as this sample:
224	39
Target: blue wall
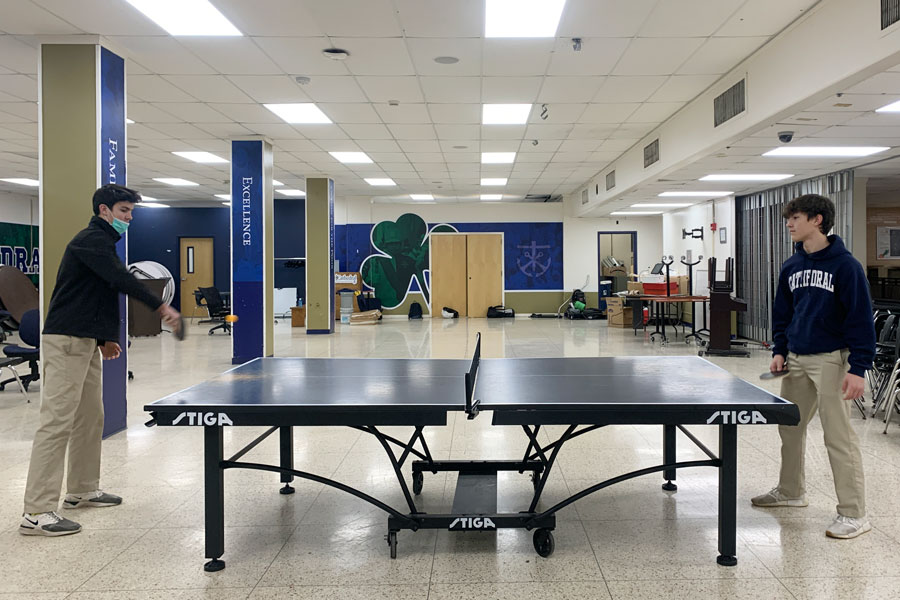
290	242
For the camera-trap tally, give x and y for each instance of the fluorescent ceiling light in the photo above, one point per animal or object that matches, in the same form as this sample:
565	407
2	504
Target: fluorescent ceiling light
276	183
493	158
892	107
22	181
840	151
154	205
522	18
129	121
493	181
224	196
186	17
302	112
349	158
505	114
636	212
746	177
694	194
421	196
226	204
380	181
292	193
174	181
660	205
148	199
201	157
492	196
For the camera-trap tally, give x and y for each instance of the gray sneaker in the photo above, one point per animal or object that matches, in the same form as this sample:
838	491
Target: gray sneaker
775	497
846	528
48	523
98	498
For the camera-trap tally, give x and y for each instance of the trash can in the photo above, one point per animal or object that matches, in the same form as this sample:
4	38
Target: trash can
605	291
346	305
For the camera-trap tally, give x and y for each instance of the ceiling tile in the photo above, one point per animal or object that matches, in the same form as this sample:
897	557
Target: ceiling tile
24	87
764	17
350	112
584	146
688	18
656	56
543	132
270	88
424	50
588	131
569	89
242	113
455	113
628	89
502	132
439	18
163	55
682	88
367	131
209	88
301	56
608	113
451	89
26	18
603	18
511	57
270	18
458	131
376	56
321	132
195	112
152	88
430	147
23	111
293	145
510	90
556	113
405	131
350	18
405	113
654	112
720	55
597	56
145	112
17	55
225	130
378	145
384	89
232	56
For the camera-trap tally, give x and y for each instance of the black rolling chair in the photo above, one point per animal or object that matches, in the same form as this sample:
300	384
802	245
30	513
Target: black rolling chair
30	332
217	309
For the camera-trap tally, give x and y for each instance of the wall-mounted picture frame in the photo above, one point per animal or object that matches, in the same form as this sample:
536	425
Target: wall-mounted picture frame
723	235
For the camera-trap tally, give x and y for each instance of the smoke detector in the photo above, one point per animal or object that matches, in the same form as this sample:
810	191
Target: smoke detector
335	53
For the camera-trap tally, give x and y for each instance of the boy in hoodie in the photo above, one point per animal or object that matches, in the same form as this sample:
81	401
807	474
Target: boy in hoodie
825	338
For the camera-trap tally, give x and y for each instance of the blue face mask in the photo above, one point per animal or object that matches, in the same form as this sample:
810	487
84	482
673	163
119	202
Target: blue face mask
120	226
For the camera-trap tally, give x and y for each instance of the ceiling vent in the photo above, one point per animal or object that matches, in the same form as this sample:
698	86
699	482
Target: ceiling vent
890	13
543	198
610	180
651	153
730	103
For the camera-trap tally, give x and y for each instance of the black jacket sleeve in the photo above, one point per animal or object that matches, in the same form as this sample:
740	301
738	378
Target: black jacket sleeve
782	313
106	265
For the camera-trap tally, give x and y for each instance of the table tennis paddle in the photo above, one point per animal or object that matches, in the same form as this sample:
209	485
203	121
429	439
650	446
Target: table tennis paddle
773	374
178	331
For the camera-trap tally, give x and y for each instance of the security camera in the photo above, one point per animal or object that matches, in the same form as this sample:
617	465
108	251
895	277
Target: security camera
785	137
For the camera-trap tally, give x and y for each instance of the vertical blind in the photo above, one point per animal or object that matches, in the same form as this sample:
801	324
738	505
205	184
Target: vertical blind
763	243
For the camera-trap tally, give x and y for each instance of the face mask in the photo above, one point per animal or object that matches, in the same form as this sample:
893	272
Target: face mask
120	226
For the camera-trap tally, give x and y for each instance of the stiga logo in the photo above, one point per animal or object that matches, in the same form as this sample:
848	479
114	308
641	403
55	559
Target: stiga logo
736	417
472	523
202	418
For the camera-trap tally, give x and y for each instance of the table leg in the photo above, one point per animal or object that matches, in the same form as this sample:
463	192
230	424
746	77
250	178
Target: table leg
669	457
287	458
728	496
214	497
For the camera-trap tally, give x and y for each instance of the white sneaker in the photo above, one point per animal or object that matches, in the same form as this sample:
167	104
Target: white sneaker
48	523
97	498
775	497
846	528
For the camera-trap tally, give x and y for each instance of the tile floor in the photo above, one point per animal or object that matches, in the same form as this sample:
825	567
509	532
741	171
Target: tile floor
627	542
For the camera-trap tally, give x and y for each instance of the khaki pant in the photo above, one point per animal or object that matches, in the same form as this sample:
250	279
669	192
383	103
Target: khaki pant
814	382
71	415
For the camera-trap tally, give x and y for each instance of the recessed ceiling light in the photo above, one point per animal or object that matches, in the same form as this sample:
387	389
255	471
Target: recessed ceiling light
421	196
746	177
636	212
489	158
505	114
186	17
224	196
835	151
276	183
446	60
892	107
694	194
493	181
492	196
154	205
129	121
350	158
174	181
148	199
522	18
661	205
335	53
291	192
379	181
201	157
23	181
299	112
226	204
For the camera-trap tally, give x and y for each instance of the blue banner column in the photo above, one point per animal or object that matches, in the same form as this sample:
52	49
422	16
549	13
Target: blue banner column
83	142
252	249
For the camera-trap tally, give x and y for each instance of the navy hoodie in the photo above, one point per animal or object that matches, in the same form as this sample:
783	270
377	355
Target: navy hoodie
822	305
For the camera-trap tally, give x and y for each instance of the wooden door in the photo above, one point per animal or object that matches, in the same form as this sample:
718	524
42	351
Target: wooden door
484	259
448	273
196	270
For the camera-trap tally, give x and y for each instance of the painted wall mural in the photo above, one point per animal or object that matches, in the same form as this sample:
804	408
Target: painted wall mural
393	256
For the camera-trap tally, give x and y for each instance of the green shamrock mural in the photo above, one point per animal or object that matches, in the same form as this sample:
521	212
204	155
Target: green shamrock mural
403	247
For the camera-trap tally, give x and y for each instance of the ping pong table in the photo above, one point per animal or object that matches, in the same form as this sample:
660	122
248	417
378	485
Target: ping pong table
581	394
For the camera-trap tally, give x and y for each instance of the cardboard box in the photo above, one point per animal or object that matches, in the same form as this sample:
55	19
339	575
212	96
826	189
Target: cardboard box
298	316
617	314
635	286
684	286
613	271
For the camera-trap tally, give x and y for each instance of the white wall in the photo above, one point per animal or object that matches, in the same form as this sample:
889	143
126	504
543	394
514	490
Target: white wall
362	211
18	208
702	215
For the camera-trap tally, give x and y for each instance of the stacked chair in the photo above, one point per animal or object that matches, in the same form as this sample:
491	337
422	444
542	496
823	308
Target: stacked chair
884	377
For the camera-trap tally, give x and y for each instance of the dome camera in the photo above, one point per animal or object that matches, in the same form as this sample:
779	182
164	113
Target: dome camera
785	137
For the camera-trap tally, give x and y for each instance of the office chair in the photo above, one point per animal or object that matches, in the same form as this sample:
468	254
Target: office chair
217	309
30	332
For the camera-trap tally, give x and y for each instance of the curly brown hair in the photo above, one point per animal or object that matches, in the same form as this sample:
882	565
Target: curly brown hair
812	205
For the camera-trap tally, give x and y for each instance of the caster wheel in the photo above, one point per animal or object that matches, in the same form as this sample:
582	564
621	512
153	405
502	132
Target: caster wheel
130	375
210	333
391	538
418	482
700	353
543	542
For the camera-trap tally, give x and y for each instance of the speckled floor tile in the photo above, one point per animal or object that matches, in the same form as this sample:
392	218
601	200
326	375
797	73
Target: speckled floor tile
557	590
713	589
165	594
849	588
342	592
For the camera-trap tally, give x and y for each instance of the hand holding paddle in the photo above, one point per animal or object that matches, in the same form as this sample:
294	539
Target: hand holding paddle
173	319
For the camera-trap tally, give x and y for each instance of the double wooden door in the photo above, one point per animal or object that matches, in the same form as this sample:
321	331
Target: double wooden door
466	272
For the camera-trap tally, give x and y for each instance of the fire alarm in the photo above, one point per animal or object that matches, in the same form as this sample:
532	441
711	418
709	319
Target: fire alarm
712	226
